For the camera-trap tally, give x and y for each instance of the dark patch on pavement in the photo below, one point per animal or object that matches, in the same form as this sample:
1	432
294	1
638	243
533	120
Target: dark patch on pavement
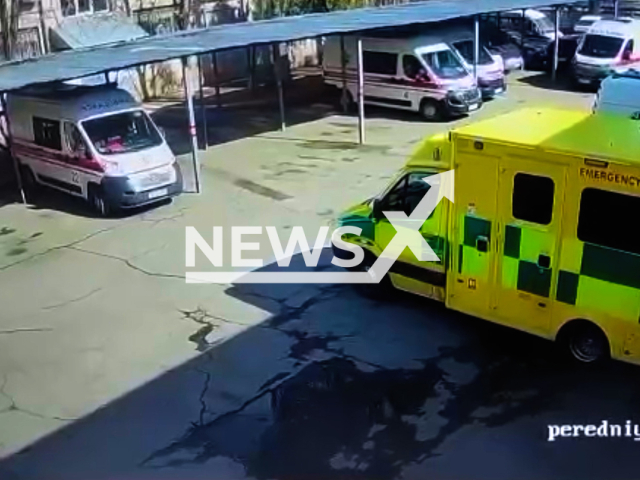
7	230
16	251
344	146
261	189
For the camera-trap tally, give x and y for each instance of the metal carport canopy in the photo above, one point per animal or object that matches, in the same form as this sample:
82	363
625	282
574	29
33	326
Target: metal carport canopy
79	63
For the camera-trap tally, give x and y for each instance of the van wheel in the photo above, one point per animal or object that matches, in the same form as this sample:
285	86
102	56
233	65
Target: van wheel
29	183
430	110
585	343
346	103
98	202
375	291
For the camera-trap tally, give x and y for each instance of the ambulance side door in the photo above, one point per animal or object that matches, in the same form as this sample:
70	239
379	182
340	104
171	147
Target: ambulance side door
530	203
471	275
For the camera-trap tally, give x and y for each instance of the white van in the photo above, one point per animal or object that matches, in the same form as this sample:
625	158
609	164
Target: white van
94	142
606	45
619	94
490	67
416	73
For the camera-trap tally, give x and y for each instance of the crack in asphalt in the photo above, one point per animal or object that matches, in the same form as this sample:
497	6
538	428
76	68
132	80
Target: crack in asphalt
203	317
26	330
203	403
128	263
73	300
13	407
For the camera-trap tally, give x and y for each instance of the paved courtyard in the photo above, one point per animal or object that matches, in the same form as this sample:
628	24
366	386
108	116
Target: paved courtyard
111	366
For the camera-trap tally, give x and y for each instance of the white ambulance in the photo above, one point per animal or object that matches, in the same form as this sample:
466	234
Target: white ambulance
94	142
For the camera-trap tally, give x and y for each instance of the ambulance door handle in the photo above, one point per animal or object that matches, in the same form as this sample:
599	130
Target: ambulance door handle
544	261
482	243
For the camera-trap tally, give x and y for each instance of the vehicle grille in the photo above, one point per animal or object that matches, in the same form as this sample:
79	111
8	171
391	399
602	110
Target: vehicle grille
155	178
491	83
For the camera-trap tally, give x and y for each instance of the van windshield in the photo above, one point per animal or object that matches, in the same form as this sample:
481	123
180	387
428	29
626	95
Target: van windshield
465	48
599	46
545	25
445	64
122	132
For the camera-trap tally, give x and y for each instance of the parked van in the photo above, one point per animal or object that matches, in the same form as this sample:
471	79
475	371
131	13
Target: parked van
619	94
535	33
541	237
94	142
416	73
490	67
607	44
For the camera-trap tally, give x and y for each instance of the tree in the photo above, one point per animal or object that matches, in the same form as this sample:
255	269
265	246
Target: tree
9	19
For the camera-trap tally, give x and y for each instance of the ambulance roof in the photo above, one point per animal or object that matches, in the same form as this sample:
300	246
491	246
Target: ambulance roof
597	136
78	101
613	28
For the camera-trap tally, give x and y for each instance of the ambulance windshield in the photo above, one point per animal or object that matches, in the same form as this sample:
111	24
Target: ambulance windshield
600	46
122	132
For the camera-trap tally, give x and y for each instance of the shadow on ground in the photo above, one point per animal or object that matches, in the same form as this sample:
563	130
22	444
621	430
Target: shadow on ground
337	386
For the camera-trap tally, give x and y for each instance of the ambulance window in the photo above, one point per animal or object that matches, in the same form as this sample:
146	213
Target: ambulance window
380	62
46	133
605	220
533	198
416	190
394	201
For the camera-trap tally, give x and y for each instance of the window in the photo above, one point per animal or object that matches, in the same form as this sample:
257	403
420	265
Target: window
406	194
380	62
74	140
46	133
533	198
122	132
73	7
445	64
466	49
628	50
604	219
599	46
411	66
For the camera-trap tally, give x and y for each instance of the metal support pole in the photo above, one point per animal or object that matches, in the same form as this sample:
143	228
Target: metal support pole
476	47
615	8
556	43
188	93
9	139
217	79
203	106
522	24
106	78
360	93
344	100
275	52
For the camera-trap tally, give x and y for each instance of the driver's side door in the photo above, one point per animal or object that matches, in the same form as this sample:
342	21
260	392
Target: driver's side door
408	272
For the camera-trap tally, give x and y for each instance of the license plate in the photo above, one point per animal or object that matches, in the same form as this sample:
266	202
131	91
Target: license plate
499	90
473	107
158	193
584	80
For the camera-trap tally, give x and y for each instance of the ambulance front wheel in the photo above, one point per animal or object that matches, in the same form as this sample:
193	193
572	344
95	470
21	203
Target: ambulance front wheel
430	109
97	201
584	342
377	291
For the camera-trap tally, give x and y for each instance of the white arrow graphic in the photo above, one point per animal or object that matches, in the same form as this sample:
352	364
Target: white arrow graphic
407	235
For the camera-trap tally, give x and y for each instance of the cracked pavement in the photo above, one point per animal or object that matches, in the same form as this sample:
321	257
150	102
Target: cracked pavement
113	367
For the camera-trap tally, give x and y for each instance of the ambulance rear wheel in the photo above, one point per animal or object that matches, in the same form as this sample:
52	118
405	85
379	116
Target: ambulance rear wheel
430	109
29	183
586	343
98	202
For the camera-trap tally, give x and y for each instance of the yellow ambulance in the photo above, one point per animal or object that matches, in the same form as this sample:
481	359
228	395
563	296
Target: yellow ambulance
542	236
